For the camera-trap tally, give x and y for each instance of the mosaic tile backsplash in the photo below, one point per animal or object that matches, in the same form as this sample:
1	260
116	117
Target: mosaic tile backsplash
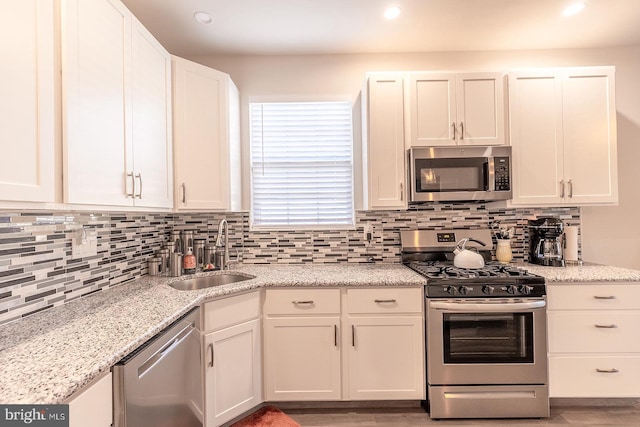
37	271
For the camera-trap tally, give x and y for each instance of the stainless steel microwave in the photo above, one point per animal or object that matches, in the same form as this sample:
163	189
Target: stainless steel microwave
459	173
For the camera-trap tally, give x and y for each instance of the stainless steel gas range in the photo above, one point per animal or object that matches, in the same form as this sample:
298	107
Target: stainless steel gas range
485	330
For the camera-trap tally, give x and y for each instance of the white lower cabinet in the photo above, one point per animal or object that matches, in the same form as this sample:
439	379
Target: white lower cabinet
385	358
302	358
93	403
593	345
232	357
377	332
385	344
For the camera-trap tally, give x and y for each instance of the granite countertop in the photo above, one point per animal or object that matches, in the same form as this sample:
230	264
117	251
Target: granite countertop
584	273
50	355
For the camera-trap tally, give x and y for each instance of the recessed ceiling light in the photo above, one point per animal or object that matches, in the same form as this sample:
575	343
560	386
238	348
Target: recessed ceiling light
392	12
203	17
574	8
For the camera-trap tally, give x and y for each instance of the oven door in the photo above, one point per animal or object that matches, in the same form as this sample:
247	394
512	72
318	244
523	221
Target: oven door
486	341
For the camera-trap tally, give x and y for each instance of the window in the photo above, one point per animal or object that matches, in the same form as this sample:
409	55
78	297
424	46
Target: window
301	164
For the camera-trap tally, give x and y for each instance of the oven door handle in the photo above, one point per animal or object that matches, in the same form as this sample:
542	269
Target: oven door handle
487	306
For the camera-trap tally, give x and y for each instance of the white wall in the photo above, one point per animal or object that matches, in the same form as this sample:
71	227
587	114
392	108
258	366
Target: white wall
611	235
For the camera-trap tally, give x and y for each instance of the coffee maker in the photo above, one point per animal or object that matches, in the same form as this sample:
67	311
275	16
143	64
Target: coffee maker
546	243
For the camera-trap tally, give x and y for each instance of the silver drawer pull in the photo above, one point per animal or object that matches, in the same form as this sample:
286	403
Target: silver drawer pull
381	301
302	302
611	326
605	297
607	371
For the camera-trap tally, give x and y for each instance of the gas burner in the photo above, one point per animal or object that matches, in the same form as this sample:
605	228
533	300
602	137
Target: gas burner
431	269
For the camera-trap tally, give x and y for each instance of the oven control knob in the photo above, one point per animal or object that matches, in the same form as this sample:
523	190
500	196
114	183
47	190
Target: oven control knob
525	289
512	289
488	289
451	290
464	290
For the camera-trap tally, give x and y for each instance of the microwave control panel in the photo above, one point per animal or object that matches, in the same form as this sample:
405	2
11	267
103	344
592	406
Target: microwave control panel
502	174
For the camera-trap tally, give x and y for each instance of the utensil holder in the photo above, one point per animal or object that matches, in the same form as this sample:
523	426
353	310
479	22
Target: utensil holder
503	251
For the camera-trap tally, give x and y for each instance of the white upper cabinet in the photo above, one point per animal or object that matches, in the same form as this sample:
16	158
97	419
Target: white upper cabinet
116	128
563	134
383	138
206	137
455	109
590	135
27	118
151	120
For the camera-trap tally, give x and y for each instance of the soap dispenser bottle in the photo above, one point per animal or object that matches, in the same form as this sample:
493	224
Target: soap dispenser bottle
189	262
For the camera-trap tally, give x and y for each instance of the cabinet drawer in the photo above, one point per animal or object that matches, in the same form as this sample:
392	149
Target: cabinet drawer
231	311
384	300
302	301
593	331
596	296
579	376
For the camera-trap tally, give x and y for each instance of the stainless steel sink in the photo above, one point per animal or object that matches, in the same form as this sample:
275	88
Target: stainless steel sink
210	281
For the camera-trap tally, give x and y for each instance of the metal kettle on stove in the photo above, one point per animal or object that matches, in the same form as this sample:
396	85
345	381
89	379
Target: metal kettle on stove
466	258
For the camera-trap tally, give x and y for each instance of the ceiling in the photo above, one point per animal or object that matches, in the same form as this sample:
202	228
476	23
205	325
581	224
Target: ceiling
283	27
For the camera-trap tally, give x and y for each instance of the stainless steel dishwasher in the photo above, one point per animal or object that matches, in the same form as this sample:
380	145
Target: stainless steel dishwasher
160	383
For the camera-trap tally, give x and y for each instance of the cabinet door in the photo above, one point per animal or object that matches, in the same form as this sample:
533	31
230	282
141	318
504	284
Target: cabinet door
302	358
96	56
201	136
589	131
386	358
480	108
93	403
384	151
27	103
535	114
432	109
232	372
151	120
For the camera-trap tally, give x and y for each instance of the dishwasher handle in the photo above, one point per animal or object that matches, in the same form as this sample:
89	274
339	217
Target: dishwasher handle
166	349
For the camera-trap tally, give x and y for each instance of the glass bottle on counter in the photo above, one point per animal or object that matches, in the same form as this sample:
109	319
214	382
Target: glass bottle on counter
189	262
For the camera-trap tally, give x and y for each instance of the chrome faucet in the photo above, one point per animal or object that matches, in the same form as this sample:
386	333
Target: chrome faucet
223	227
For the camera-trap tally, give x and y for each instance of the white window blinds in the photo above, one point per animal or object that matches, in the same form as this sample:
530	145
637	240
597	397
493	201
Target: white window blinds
301	164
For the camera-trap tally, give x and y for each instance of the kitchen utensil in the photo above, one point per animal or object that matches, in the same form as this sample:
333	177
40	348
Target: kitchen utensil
465	258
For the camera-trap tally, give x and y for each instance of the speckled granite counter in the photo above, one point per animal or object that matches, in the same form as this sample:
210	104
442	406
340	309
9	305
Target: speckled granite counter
48	356
584	273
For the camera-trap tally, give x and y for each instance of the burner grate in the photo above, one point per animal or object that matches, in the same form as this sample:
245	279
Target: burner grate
440	270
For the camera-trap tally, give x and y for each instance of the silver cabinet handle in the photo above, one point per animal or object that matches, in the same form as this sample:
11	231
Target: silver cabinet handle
562	188
382	301
211	354
453	125
307	302
401	191
353	335
335	335
607	371
461	131
139	176
184	193
604	297
570	188
133	186
611	326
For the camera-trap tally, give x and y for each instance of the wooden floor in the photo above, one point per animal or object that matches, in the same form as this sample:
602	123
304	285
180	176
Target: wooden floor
627	415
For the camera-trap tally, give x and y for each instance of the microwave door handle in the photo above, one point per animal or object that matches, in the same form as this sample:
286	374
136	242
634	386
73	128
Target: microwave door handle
489	171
